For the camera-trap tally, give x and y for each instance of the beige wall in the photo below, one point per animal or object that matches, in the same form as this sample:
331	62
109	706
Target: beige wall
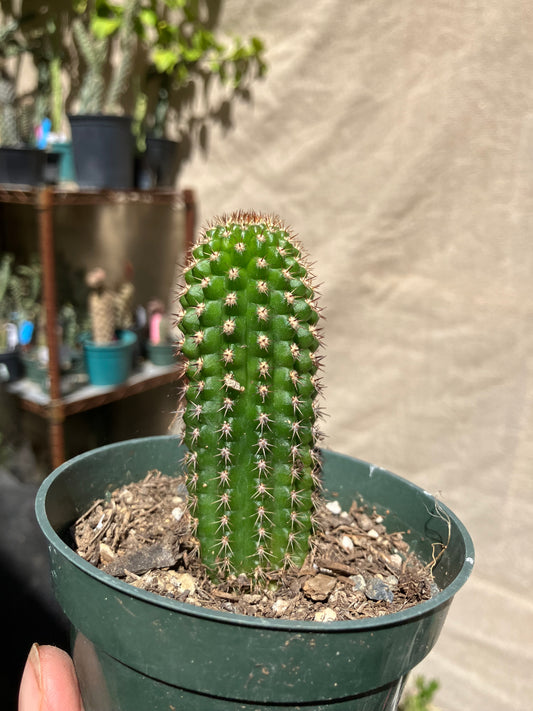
397	139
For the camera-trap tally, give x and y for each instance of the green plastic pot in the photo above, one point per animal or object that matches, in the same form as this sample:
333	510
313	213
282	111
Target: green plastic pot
135	650
161	353
110	364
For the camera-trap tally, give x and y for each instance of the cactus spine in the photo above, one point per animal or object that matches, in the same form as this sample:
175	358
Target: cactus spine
249	323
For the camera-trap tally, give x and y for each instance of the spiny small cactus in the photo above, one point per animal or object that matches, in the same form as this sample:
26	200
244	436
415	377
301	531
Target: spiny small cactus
93	96
250	340
101	305
124	298
9	133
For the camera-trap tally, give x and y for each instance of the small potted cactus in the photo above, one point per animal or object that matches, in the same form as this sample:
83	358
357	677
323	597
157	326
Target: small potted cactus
109	351
160	348
102	139
21	163
254	469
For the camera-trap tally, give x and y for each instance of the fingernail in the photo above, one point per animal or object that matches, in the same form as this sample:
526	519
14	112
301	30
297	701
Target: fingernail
30	696
34	659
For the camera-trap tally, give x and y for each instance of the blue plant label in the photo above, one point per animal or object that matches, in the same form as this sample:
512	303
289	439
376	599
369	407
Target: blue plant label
26	332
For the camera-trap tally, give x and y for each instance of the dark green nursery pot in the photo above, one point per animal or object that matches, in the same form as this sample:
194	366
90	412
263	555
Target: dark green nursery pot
136	651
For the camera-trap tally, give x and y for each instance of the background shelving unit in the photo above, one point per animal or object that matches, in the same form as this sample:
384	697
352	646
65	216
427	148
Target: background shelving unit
55	407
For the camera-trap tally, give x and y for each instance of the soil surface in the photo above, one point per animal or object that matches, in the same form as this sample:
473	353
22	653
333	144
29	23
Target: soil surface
355	568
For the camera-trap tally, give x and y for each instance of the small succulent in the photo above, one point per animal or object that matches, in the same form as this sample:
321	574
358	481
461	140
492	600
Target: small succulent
250	337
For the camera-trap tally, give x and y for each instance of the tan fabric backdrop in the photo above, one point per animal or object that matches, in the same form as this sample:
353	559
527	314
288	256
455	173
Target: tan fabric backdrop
397	139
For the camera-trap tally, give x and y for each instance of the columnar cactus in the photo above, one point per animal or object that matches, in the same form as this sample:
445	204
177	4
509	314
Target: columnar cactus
9	134
101	306
249	325
93	96
124	300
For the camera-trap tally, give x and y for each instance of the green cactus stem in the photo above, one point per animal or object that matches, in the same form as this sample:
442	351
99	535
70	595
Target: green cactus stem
9	134
124	300
95	52
249	323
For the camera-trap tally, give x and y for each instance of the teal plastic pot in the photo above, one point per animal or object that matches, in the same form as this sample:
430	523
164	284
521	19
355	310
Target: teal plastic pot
135	650
67	172
111	363
161	353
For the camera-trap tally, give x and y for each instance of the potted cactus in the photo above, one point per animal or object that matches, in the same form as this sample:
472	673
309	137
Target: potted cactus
253	467
21	163
102	138
109	350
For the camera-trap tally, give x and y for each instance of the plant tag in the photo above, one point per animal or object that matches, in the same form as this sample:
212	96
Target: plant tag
12	337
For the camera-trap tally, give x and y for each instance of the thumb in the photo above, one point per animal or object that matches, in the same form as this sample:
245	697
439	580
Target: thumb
49	682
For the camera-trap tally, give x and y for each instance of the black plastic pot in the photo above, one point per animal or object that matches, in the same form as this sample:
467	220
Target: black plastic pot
21	166
158	165
103	149
11	367
135	650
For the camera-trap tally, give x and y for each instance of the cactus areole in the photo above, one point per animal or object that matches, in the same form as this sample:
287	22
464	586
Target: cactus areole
249	323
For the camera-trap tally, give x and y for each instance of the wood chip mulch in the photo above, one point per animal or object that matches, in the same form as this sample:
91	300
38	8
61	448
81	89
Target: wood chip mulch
355	568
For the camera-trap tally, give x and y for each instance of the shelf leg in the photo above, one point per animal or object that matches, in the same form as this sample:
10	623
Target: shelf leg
46	244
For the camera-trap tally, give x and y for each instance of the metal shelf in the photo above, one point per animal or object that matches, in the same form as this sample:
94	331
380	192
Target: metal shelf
56	407
87	397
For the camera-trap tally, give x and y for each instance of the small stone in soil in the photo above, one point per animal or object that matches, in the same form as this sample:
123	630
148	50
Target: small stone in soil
358	582
347	544
183	582
326	615
378	590
319	587
334	507
154	556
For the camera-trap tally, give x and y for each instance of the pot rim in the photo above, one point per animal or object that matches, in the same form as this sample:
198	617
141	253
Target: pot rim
440	599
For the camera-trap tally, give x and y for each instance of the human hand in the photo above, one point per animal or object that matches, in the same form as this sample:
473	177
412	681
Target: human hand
49	682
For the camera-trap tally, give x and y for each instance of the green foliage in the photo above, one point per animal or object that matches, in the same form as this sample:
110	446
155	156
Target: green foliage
421	698
249	323
183	48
